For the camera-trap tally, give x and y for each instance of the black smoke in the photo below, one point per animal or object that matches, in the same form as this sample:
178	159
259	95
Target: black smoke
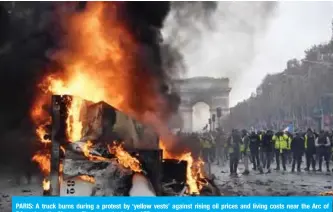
24	41
29	31
146	20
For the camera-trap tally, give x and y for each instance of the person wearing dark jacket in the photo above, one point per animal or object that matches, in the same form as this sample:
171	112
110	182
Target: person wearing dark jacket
323	145
267	146
297	148
234	143
254	149
261	135
245	151
315	134
310	150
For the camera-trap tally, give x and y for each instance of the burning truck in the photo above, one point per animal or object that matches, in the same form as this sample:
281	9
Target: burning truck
109	158
104	132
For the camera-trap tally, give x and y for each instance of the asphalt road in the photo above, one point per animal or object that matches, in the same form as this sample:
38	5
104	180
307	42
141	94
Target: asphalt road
277	183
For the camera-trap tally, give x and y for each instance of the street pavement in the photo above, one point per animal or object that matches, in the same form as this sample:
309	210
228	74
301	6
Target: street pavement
277	183
9	188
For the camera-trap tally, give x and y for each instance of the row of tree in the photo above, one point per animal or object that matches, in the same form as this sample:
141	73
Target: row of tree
301	94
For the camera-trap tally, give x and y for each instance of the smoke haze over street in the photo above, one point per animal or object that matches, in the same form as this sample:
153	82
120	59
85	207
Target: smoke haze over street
231	42
290	28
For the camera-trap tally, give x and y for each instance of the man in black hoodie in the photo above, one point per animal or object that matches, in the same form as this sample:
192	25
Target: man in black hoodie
323	146
245	152
310	150
254	149
297	148
234	143
267	149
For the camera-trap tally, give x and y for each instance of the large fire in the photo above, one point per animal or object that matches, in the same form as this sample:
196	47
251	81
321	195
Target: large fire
98	65
194	168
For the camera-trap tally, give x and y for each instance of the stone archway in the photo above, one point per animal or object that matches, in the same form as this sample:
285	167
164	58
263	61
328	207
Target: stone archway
200	114
212	91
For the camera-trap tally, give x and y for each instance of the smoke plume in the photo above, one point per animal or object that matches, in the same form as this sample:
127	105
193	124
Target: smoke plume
217	39
33	33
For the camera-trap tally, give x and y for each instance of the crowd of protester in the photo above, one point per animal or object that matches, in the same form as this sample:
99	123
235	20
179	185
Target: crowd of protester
300	150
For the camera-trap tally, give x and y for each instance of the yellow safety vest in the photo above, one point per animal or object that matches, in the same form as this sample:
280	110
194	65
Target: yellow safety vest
205	144
230	148
289	140
306	141
282	142
242	147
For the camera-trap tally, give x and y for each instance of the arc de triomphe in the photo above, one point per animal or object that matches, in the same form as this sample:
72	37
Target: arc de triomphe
212	91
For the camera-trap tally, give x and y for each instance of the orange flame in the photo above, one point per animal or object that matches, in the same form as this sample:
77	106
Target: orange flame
41	132
87	178
43	160
124	158
46	185
86	149
86	152
97	61
99	65
74	125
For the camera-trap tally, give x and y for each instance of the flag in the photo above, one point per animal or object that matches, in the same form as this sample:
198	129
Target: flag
290	128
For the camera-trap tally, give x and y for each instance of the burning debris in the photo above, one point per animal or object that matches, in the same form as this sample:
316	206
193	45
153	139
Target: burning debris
46	185
110	77
107	168
106	178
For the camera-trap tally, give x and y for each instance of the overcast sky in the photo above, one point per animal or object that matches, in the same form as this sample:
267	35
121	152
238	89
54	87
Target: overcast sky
295	27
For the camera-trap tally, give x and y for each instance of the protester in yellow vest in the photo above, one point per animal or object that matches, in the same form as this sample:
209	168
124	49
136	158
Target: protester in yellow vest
288	153
245	151
205	148
282	143
212	153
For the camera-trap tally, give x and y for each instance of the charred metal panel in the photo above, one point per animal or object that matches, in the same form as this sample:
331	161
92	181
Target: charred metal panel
174	174
58	137
174	170
151	161
103	123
